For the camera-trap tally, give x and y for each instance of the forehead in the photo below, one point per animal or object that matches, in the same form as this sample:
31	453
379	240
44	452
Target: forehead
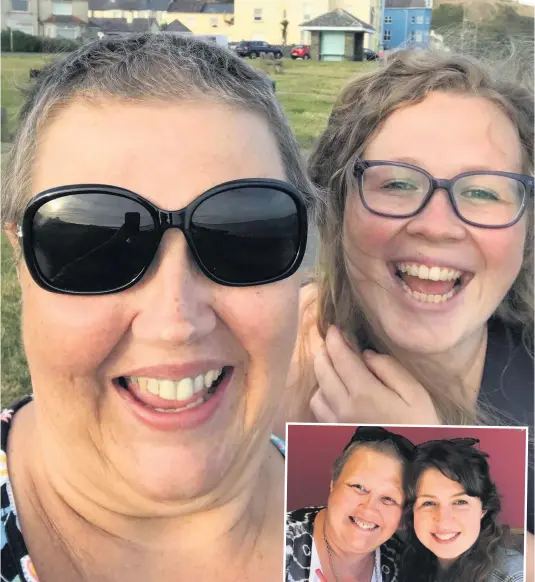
168	152
434	482
378	466
448	132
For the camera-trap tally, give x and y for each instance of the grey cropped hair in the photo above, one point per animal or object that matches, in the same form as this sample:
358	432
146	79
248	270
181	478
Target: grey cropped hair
144	67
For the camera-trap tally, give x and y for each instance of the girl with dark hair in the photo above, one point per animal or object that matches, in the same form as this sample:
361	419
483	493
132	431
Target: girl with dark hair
452	509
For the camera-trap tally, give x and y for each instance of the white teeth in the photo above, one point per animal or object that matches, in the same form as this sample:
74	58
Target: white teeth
183	389
445	537
198	384
424	298
364	524
425	272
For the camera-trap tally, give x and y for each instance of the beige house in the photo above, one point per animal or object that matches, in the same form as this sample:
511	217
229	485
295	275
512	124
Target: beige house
261	20
51	18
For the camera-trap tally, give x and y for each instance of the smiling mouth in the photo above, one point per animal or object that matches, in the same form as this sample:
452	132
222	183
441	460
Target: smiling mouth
363	525
430	284
446	538
169	395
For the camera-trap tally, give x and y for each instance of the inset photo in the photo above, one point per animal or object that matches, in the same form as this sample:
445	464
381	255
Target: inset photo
405	503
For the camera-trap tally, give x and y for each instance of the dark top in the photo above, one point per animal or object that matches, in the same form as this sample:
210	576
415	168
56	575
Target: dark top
507	385
299	538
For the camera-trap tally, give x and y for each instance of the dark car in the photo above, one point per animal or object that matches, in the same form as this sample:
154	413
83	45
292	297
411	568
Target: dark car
300	51
369	55
254	48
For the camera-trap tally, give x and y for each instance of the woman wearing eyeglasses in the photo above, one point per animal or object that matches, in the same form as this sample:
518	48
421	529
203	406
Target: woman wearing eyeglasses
352	538
154	191
452	510
423	307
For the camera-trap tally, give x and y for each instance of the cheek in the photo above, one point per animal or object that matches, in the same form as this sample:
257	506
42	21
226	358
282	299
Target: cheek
502	250
68	335
392	517
364	233
421	524
263	319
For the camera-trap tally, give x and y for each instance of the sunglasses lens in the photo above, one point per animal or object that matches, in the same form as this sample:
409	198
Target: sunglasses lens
92	242
248	235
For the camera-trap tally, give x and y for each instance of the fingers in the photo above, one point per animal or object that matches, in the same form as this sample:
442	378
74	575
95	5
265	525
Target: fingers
332	389
321	409
349	365
320	576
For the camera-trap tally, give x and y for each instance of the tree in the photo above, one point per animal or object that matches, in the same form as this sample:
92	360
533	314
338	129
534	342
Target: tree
284	26
447	15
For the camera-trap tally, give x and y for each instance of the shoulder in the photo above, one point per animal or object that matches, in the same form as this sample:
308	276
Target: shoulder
299	542
391	553
509	566
303	517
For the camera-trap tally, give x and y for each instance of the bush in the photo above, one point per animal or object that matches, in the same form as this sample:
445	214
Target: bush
27	43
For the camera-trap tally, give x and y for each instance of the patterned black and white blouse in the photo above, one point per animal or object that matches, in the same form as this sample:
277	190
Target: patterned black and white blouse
299	539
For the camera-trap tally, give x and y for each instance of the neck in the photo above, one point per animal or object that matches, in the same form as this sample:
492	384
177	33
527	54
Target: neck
347	565
464	361
229	522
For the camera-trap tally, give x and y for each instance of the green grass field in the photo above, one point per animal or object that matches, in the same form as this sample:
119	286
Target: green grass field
306	89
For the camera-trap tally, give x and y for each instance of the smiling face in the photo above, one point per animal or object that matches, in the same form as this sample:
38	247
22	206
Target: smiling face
97	361
391	261
446	520
365	503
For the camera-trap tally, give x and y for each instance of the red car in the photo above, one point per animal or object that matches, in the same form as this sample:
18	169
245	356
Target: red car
300	51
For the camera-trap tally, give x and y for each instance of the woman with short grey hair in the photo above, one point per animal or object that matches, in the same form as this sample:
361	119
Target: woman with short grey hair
156	197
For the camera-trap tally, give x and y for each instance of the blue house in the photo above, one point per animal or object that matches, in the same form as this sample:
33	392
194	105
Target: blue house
406	23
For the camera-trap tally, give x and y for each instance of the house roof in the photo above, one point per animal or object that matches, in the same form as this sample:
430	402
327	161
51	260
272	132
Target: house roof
61	19
337	19
405	4
186	6
177	26
141	24
110	24
159	5
218	8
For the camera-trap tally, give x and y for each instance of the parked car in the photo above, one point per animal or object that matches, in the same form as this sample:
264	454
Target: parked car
370	55
300	51
254	48
233	45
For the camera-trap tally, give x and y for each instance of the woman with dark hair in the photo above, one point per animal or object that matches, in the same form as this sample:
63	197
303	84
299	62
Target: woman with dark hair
452	509
353	537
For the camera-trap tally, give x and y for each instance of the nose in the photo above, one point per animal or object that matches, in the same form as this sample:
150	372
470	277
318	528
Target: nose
443	516
174	298
437	221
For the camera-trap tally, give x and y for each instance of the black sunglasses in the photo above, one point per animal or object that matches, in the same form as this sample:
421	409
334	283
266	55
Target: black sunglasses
97	239
375	434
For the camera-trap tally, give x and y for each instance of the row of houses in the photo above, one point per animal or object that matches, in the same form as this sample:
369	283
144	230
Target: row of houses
355	24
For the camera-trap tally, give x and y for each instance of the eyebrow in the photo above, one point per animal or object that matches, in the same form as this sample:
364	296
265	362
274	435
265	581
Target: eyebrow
435	497
414	162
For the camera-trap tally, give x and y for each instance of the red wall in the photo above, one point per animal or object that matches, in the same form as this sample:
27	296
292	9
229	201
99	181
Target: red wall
312	449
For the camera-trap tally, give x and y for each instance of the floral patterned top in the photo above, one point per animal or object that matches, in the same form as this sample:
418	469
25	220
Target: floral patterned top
16	563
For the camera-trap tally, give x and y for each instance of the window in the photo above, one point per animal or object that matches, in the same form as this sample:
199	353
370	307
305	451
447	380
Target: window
66	32
258	14
387	35
20	5
388	20
284	14
413	19
419	20
62	8
418	36
191	20
214	22
307	13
